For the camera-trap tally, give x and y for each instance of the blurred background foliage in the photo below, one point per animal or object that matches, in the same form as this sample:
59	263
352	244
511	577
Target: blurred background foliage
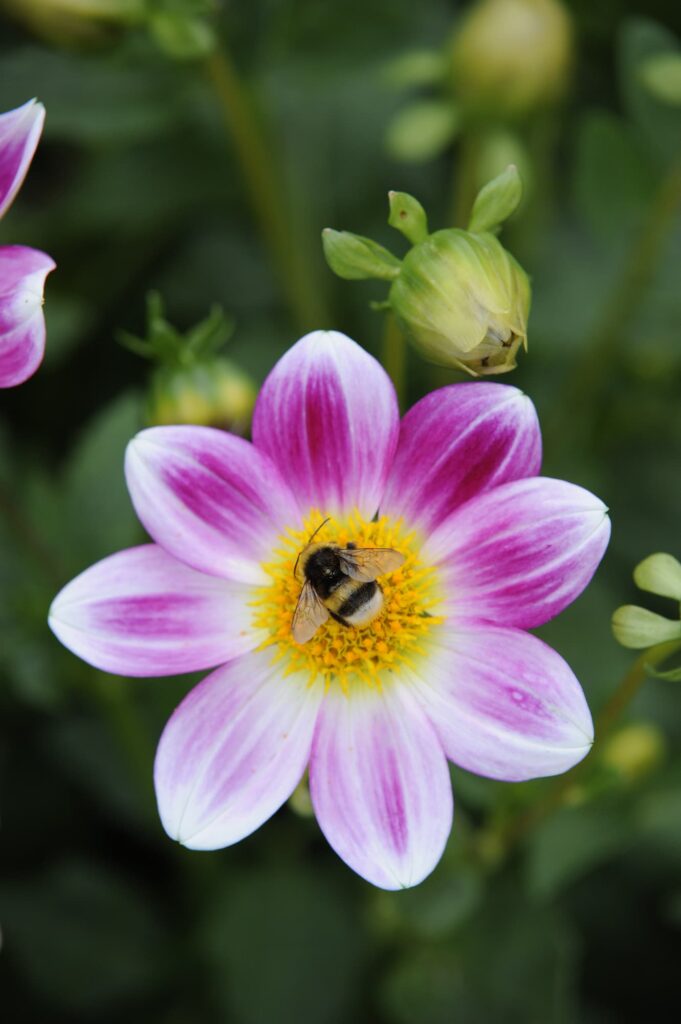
198	149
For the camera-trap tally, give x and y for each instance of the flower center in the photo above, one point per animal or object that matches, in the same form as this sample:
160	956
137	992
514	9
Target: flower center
343	653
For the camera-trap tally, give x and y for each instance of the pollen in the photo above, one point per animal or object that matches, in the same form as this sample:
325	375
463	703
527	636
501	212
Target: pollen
346	655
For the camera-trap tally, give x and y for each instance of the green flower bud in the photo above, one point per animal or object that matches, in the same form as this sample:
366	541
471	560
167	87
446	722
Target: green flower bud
76	22
639	628
463	301
214	393
659	574
511	57
635	750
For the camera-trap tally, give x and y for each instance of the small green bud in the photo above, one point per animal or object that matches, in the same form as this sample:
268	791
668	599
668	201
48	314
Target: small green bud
182	36
639	628
659	574
635	750
496	201
214	393
408	216
661	74
463	301
422	130
356	258
511	57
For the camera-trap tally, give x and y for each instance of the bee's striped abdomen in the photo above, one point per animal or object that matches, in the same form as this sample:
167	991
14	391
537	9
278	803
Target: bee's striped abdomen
363	604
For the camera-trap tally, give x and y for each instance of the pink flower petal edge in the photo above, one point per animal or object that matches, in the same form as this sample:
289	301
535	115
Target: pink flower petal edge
504	704
521	553
234	751
380	785
20	132
22	325
459	442
210	499
140	612
327	416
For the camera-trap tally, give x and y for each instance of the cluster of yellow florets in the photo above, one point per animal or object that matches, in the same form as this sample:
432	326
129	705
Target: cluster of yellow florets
346	654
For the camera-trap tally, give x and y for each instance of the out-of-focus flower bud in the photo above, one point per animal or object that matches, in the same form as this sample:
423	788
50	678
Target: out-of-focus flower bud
463	301
634	751
214	393
639	628
193	383
512	57
76	21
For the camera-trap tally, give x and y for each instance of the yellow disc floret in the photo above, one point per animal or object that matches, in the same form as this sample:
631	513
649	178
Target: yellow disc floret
349	654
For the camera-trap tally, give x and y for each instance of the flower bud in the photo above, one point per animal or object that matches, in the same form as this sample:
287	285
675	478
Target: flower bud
76	21
634	751
213	393
639	628
463	301
511	57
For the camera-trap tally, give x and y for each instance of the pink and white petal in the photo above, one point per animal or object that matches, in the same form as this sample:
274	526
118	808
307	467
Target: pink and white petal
233	751
22	325
380	785
142	613
521	553
327	415
20	131
456	443
504	704
209	498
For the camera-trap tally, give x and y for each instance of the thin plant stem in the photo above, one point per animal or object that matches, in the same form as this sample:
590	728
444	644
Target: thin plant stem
514	831
264	190
588	375
394	355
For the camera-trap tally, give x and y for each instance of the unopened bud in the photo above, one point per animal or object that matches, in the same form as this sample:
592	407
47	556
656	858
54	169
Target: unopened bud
464	301
635	750
511	57
639	628
213	393
659	574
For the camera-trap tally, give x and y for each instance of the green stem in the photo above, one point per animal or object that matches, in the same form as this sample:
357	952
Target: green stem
512	832
264	190
465	181
394	355
589	374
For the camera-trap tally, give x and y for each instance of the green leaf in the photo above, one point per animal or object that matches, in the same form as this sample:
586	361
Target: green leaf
407	216
614	179
496	201
416	68
662	76
285	945
571	843
182	37
356	258
658	123
422	130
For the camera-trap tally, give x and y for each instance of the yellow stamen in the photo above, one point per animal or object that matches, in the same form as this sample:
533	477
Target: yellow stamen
341	654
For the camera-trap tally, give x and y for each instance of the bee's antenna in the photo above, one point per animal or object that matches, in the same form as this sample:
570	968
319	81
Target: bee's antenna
309	541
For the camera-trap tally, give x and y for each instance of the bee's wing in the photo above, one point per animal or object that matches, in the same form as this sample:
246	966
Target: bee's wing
309	615
365	564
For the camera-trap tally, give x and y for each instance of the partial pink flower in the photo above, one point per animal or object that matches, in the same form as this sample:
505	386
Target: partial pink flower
445	672
22	270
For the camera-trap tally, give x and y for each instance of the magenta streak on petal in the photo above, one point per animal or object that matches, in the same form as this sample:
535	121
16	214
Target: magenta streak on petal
20	131
456	443
163	615
21	351
391	796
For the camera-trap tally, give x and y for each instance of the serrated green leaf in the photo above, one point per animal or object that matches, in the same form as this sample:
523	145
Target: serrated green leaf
496	201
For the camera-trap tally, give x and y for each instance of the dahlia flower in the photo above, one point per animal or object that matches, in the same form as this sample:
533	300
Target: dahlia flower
22	270
447	671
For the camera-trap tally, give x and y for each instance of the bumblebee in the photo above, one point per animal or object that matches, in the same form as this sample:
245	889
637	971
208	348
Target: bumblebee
341	583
